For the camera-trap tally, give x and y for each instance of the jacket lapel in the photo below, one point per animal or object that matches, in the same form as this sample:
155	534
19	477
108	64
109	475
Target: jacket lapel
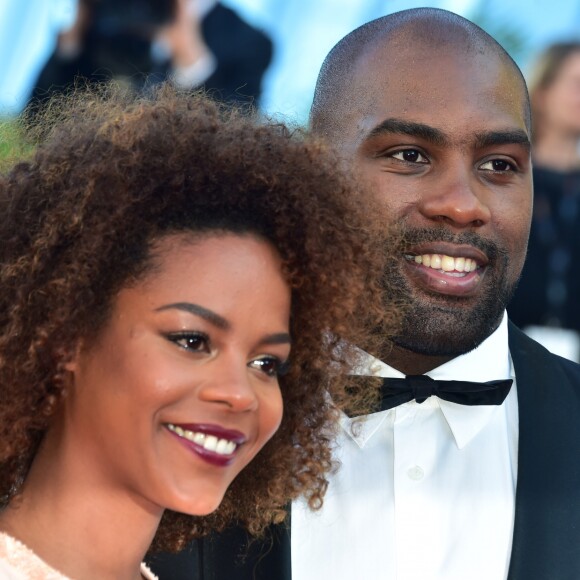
546	542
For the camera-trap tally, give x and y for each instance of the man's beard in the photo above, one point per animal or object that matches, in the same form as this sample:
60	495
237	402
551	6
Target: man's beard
441	325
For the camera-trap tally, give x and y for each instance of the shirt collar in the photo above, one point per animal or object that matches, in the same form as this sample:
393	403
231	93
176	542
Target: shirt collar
489	361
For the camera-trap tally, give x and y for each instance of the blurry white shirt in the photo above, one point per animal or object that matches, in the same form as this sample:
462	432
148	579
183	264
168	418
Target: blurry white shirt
425	491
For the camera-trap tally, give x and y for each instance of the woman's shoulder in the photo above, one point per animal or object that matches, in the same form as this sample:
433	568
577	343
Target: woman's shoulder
8	572
147	574
18	562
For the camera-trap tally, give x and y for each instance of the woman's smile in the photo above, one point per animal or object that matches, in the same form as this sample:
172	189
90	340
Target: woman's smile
211	443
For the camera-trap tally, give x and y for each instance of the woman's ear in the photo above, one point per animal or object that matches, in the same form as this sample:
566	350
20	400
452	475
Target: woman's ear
67	364
69	358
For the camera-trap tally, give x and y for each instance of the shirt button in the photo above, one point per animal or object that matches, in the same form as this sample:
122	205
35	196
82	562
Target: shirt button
415	473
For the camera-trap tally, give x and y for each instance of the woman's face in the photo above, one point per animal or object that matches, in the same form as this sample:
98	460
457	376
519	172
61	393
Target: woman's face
180	390
559	103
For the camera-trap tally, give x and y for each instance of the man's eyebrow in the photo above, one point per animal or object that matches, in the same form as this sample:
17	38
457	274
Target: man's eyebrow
402	127
508	137
198	310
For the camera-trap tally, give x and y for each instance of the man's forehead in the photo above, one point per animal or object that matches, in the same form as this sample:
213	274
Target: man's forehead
387	62
425	88
417	64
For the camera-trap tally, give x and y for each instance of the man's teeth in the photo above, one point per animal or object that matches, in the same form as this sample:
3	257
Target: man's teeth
446	263
209	442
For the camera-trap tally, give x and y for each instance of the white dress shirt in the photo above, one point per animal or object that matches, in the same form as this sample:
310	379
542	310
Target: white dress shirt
424	491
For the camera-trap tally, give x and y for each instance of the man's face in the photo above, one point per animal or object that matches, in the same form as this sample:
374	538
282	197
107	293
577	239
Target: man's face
443	142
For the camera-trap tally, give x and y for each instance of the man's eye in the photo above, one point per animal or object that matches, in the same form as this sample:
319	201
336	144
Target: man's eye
497	165
192	341
410	156
269	365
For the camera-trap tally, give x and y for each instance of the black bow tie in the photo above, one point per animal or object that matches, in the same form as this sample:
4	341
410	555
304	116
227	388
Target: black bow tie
420	387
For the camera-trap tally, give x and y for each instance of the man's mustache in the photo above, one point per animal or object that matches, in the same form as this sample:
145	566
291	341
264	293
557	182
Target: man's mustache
409	237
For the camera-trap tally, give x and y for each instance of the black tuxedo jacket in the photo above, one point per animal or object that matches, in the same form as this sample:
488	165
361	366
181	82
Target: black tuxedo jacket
546	542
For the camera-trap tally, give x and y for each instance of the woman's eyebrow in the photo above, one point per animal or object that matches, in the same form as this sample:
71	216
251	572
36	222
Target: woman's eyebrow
279	338
209	315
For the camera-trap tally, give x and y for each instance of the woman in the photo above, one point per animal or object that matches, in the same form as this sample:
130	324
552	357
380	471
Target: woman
171	273
546	302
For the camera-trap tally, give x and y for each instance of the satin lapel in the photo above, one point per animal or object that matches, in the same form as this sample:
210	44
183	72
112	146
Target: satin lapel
546	543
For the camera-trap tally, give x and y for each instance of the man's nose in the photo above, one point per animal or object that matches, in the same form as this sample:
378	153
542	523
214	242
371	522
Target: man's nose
456	198
230	384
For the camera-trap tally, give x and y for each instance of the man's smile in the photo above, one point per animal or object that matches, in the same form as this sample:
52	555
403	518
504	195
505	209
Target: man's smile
453	266
448	268
443	274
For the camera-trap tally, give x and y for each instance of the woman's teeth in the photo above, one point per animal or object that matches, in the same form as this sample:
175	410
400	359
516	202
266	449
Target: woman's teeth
209	442
445	263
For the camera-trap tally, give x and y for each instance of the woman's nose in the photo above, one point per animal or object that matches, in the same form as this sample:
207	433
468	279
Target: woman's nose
230	384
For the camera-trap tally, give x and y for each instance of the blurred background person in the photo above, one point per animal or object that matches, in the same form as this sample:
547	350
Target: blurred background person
547	302
194	43
302	33
210	45
108	41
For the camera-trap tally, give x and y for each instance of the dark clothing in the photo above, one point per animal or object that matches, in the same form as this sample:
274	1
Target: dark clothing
242	53
112	48
549	291
546	542
229	556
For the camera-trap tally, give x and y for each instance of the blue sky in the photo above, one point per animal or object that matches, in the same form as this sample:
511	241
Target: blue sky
303	32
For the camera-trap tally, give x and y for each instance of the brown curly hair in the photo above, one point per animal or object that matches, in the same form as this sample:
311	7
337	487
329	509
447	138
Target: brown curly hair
111	176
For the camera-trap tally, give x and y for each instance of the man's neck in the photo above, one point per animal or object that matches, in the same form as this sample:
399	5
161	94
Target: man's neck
412	363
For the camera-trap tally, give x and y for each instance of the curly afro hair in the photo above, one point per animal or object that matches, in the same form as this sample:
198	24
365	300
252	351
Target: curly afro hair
112	175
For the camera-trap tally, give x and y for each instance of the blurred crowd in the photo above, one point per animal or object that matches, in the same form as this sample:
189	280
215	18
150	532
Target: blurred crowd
138	43
547	302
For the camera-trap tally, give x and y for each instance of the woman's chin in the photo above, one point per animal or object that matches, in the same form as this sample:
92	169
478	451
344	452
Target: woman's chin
199	506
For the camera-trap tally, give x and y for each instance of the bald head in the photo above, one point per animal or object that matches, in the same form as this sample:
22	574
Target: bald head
390	44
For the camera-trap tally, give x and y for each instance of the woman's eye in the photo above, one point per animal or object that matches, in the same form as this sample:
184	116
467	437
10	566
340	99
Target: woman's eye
497	165
410	156
192	341
269	365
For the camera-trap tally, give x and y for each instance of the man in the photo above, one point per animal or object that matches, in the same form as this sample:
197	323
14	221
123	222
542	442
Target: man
435	117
